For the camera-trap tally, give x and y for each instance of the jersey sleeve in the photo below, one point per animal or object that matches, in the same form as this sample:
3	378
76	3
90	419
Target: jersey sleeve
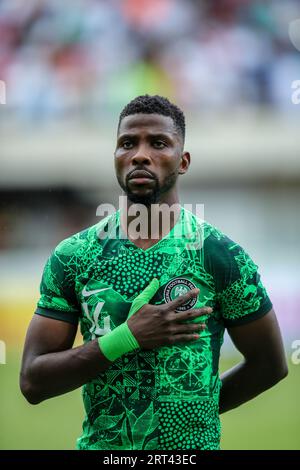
57	293
240	293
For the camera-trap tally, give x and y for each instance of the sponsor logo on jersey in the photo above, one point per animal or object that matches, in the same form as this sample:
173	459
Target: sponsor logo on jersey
86	293
177	287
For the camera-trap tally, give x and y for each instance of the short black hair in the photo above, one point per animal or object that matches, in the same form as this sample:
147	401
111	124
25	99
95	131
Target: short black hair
155	104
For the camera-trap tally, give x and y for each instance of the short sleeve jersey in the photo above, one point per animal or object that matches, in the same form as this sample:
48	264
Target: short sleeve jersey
166	398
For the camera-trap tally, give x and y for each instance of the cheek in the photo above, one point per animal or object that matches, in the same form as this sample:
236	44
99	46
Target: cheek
169	164
120	163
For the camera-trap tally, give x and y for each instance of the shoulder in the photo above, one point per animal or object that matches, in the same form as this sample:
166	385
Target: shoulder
214	241
225	253
78	243
223	257
218	246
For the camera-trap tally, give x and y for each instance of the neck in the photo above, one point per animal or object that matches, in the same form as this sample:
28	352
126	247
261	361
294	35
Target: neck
147	224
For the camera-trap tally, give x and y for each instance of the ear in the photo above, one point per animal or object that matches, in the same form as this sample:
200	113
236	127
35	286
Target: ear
184	163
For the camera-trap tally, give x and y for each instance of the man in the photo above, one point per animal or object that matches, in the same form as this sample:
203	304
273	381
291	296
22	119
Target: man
152	310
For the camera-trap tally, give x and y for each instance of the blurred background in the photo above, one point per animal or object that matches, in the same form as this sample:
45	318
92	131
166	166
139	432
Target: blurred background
69	68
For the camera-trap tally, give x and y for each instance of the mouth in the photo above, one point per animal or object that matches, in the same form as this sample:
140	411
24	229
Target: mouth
140	177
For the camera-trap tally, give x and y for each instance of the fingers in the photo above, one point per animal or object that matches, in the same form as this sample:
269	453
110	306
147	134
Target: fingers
192	314
184	338
188	328
182	299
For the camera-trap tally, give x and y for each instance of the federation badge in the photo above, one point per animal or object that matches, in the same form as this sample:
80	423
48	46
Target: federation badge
177	287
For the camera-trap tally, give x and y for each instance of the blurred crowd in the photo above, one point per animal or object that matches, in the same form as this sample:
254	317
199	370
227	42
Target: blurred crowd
84	57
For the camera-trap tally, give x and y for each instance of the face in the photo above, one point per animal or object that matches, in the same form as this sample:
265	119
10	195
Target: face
149	156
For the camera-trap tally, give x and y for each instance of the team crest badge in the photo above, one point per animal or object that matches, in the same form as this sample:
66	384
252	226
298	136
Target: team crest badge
177	287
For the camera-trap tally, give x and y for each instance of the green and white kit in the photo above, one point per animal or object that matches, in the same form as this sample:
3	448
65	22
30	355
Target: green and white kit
166	398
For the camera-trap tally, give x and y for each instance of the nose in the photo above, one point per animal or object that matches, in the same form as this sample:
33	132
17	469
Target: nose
141	157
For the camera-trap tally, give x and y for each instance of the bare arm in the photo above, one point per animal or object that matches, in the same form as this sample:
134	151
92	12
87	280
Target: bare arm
263	366
51	367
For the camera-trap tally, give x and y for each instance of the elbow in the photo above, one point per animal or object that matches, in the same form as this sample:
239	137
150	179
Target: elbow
269	371
29	390
283	372
279	372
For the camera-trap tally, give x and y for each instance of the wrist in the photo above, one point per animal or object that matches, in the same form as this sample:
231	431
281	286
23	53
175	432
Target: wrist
118	342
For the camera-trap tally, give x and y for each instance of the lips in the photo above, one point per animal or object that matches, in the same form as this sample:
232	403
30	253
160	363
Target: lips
137	174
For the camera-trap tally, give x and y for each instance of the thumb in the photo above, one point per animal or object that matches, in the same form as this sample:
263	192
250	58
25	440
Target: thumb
144	297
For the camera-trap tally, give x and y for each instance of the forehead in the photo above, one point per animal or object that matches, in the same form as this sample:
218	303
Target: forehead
154	123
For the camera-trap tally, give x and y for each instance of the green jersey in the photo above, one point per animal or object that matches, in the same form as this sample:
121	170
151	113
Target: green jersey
166	398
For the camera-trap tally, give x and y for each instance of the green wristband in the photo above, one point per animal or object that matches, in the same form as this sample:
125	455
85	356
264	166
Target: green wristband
121	341
118	342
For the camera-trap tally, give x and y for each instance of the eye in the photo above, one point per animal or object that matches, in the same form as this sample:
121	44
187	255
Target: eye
127	144
159	144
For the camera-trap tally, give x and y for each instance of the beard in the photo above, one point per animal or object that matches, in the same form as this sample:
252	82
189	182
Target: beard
154	193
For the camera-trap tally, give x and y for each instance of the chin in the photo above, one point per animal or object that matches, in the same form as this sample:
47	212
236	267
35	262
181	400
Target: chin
146	199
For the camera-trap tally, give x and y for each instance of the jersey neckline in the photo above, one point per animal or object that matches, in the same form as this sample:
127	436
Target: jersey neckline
124	237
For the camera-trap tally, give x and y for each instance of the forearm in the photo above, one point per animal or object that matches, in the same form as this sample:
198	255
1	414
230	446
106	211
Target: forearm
53	374
244	382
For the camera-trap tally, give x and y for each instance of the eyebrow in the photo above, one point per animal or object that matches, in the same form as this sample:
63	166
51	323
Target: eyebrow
154	135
